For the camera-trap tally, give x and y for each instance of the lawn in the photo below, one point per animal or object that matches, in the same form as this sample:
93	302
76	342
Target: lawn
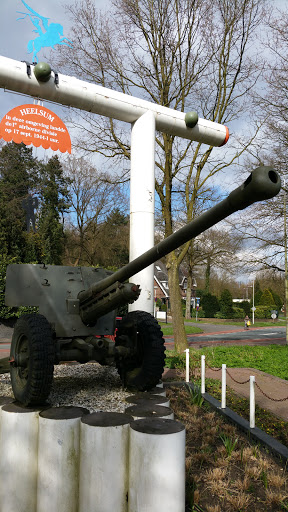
167	329
272	359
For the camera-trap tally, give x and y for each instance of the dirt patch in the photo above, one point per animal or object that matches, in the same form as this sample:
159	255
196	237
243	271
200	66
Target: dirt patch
225	472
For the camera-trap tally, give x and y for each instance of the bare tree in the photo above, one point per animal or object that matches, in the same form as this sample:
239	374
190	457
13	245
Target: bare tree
183	54
94	196
215	249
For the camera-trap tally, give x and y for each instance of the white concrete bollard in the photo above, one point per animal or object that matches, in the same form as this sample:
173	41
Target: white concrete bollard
18	461
149	411
141	398
104	448
58	459
156	466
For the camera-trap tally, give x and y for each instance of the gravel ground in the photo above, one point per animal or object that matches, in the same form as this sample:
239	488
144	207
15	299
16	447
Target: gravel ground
90	385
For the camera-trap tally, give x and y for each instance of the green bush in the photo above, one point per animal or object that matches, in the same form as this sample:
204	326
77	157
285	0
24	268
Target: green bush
246	306
210	305
267	299
263	312
200	313
238	313
226	304
234	313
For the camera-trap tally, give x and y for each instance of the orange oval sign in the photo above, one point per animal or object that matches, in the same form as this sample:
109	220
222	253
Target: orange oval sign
33	124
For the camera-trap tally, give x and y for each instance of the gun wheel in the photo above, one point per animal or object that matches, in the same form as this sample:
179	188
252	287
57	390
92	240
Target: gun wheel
32	358
142	369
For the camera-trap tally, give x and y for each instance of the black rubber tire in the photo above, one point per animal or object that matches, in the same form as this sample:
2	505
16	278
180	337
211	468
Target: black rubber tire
143	370
32	342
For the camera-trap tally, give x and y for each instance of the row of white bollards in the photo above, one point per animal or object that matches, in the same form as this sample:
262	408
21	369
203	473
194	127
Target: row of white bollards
223	386
68	460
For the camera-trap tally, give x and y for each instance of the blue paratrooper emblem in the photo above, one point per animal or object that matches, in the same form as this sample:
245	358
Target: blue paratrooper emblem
49	34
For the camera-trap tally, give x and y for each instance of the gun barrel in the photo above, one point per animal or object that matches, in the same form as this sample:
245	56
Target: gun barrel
263	183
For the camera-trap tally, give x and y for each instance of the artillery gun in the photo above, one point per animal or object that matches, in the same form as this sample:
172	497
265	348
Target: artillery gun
78	306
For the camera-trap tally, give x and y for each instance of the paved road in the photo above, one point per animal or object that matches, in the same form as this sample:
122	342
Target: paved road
231	335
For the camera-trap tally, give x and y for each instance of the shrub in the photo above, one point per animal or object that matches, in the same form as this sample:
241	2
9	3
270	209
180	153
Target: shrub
238	313
226	304
200	313
267	299
263	312
210	305
246	306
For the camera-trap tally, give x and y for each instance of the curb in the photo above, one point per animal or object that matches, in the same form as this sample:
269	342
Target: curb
256	433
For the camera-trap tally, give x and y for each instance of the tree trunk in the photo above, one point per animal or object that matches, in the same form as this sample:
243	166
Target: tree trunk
180	339
188	296
207	275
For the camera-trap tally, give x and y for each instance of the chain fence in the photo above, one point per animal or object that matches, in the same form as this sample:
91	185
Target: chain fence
246	382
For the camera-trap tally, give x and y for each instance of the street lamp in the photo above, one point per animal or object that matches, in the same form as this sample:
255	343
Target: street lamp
253	306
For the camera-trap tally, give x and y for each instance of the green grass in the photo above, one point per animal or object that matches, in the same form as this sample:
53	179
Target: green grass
167	329
272	359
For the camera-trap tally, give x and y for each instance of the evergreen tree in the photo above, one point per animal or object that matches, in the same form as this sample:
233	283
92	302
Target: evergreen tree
267	299
246	306
276	300
18	179
210	305
54	198
226	304
258	297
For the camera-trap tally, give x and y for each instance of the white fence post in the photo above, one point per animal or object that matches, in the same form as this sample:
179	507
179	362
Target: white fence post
187	364
223	390
202	374
252	401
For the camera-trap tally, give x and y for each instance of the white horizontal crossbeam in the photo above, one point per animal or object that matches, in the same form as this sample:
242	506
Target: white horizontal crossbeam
99	100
